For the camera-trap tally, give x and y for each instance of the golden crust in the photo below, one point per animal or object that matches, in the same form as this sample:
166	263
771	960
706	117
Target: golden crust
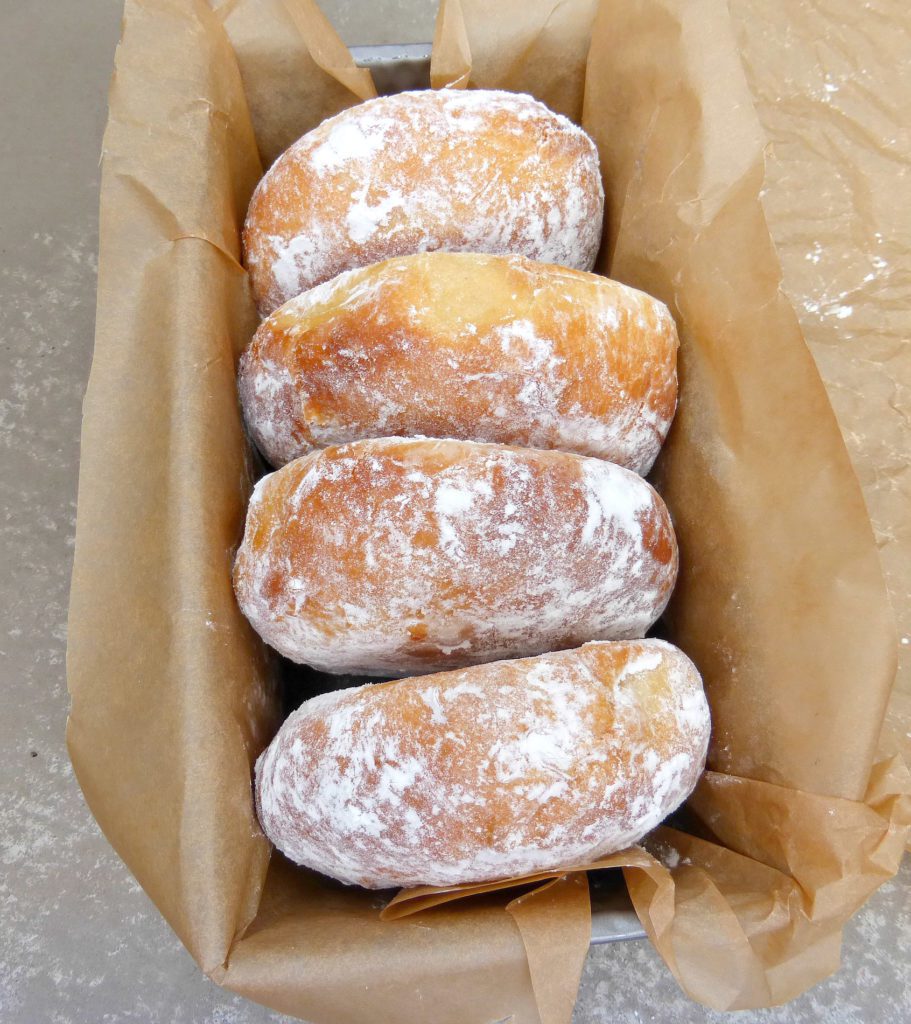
473	171
393	556
465	345
489	772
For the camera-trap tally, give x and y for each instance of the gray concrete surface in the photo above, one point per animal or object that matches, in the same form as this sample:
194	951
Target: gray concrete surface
79	940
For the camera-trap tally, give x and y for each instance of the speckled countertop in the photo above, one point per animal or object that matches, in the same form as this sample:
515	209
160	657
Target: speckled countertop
79	940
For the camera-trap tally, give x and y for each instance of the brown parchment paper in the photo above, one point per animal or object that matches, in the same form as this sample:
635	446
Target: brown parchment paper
171	693
538	48
777	549
781	600
553	915
291	82
832	87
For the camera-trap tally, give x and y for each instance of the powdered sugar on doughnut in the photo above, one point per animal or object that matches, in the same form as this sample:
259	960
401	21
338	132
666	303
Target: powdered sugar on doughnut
473	171
487	348
488	772
396	556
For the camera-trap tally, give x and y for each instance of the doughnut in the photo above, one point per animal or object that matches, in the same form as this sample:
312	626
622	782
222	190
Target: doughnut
487	772
391	556
460	170
465	345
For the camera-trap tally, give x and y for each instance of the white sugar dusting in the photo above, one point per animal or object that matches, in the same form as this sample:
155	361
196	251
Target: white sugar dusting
344	143
364	219
488	772
615	498
647	662
451	500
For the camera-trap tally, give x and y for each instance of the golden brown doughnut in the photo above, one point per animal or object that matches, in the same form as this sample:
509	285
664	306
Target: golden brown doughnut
393	556
467	345
462	170
488	772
